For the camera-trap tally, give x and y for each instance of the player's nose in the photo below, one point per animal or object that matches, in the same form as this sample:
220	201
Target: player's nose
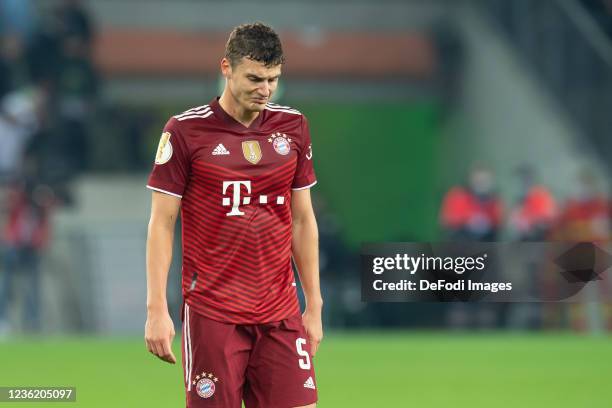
264	90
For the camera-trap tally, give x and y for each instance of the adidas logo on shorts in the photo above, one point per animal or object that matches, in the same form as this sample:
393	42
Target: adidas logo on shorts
309	383
219	150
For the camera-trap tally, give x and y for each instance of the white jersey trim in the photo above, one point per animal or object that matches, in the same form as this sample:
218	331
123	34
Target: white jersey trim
187	348
200	110
193	116
182	115
305	187
291	111
279	108
196	109
163	191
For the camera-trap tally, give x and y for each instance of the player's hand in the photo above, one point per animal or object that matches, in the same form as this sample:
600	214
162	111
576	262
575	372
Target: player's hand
311	319
159	333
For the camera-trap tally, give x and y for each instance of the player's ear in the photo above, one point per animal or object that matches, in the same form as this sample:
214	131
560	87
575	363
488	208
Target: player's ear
226	68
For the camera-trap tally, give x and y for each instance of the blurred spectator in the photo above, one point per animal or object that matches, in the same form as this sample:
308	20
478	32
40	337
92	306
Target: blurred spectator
25	236
24	227
60	56
586	216
77	87
44	52
75	21
78	82
473	212
14	72
20	115
62	40
532	218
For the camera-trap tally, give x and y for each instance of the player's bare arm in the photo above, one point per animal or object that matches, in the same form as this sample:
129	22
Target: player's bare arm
305	248
159	329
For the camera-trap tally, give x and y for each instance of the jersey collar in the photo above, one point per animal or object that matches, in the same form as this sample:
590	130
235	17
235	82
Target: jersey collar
233	123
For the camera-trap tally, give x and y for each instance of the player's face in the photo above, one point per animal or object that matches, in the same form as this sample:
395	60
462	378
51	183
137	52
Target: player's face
251	83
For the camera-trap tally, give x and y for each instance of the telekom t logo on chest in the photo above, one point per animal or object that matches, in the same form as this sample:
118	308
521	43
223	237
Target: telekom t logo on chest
234	189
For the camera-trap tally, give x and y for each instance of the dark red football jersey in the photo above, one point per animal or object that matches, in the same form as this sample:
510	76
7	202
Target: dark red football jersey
235	184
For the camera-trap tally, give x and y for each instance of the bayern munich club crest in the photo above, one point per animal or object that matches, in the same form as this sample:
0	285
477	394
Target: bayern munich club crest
205	384
281	143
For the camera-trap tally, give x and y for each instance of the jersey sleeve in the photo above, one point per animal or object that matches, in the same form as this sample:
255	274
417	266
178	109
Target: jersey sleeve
304	173
171	168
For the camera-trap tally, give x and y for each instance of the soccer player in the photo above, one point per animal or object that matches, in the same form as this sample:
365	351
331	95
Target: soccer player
240	170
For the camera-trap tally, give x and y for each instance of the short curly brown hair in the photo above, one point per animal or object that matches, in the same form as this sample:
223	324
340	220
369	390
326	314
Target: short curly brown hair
255	41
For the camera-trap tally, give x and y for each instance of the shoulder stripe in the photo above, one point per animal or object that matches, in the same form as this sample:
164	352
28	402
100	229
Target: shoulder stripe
277	106
194	116
292	111
193	112
197	108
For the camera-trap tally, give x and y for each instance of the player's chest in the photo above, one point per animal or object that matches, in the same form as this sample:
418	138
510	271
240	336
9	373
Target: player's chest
251	153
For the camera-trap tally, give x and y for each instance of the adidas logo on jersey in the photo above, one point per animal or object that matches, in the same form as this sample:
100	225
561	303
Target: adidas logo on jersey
309	383
219	150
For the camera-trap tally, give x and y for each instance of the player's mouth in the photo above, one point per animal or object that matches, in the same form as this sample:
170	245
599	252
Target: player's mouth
260	100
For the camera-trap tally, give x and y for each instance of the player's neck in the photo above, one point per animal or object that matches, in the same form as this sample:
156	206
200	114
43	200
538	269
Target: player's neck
233	108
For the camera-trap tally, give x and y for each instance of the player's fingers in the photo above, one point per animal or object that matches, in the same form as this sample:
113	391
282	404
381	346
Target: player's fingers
148	344
171	355
172	358
166	352
314	345
313	349
154	348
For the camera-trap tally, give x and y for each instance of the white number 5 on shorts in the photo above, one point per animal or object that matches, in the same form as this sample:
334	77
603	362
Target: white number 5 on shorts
304	362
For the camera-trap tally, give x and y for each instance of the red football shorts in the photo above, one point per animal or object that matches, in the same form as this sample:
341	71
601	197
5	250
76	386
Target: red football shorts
267	365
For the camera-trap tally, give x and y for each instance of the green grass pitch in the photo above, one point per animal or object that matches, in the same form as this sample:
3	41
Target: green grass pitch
373	369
